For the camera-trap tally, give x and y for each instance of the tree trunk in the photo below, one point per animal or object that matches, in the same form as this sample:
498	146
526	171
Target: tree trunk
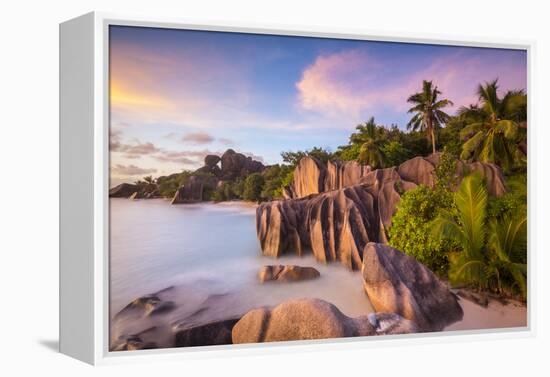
433	140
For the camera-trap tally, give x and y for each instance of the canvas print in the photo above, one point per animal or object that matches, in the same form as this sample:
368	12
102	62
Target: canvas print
268	188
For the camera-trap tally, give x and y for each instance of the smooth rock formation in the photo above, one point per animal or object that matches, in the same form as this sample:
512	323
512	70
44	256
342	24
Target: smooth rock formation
211	160
397	283
147	305
304	319
335	225
311	176
124	190
337	218
235	165
132	191
287	273
210	334
132	343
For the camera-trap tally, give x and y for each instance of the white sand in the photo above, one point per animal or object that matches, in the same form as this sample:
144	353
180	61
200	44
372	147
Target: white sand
496	315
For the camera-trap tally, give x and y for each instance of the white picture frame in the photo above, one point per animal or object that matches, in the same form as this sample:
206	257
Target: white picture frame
84	177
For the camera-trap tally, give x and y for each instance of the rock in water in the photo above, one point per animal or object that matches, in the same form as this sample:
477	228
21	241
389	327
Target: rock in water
335	225
300	319
287	273
124	190
397	283
304	319
211	334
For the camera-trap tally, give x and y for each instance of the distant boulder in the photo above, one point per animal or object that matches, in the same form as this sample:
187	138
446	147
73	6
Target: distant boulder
397	283
124	190
287	273
237	165
211	160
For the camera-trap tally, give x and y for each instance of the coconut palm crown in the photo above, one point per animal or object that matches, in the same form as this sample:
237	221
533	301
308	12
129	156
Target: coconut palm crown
492	125
428	114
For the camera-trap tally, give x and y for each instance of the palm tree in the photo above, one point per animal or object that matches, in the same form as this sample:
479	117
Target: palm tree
491	129
486	258
466	228
369	139
427	109
507	247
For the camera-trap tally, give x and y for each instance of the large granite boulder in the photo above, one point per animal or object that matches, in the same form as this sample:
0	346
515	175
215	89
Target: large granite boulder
235	165
397	283
211	160
124	190
287	273
304	319
335	225
311	176
326	213
418	170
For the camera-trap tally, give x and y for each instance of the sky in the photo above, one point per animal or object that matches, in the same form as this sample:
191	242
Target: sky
178	95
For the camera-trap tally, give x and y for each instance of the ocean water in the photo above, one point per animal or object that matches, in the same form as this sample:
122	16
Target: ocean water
210	254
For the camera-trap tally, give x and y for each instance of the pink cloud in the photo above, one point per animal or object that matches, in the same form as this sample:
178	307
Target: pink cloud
349	82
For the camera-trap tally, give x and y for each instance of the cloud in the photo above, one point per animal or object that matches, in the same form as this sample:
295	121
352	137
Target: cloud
131	170
226	141
198	138
132	150
352	82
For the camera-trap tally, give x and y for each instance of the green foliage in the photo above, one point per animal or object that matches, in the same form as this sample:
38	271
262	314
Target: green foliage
445	172
169	184
395	153
411	227
507	253
490	252
253	185
292	158
275	178
492	126
349	152
514	202
466	227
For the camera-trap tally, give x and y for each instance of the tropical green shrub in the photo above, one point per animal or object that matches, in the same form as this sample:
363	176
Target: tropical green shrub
514	202
253	185
491	252
466	226
411	227
507	254
395	153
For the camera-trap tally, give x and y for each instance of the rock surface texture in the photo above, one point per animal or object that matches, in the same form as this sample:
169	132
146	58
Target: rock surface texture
132	191
287	273
210	334
397	283
124	190
304	319
335	211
